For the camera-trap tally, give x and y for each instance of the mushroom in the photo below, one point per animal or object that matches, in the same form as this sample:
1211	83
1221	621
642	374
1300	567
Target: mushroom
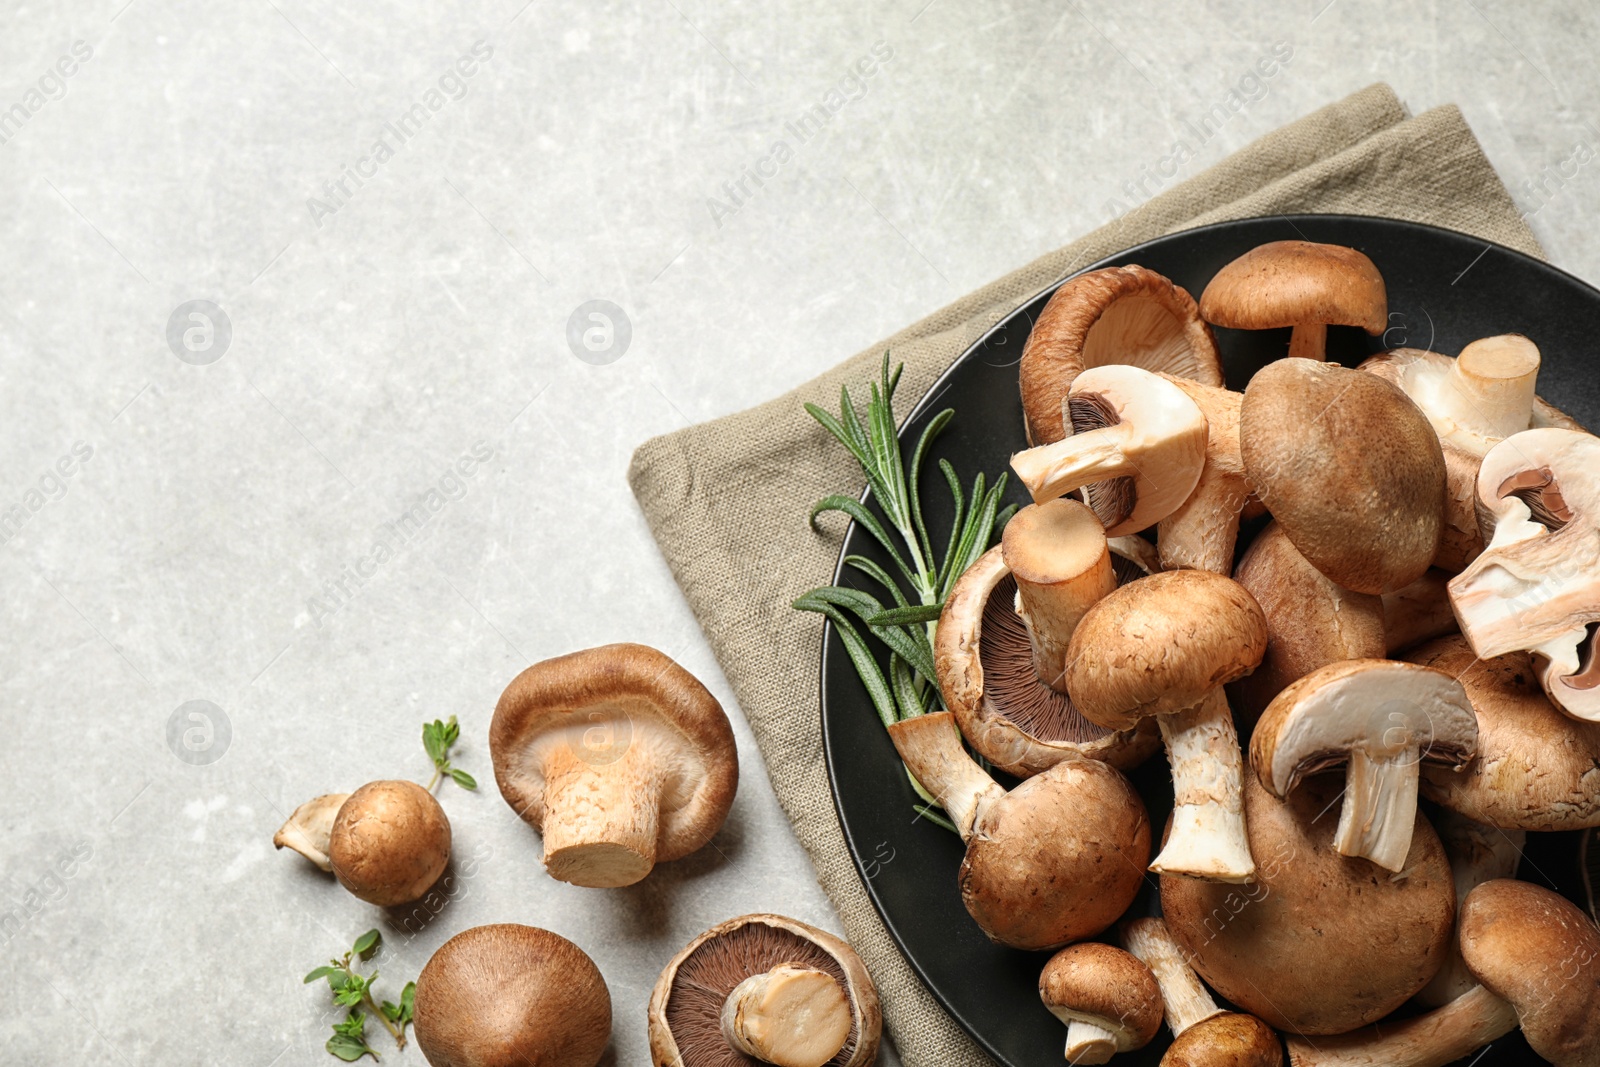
1537	957
389	843
1162	647
1381	718
619	757
308	829
1061	563
507	995
1318	943
1349	467
1137	448
1478	853
1418	612
1079	828
1536	769
1203	1034
1302	284
1116	315
767	987
1311	620
1202	531
1108	999
984	660
1536	587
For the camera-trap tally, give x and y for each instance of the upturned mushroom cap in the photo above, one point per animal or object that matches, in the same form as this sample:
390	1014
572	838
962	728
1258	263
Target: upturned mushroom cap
309	827
1540	953
390	842
1536	769
985	669
687	1004
1349	467
618	756
506	995
1318	944
1226	1040
1115	315
1160	644
1110	994
1298	283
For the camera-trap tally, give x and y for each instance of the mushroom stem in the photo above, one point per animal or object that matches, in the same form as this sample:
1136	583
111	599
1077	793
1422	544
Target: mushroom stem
1053	470
1207	839
1309	341
1059	557
1489	387
1184	999
1089	1042
1202	533
930	747
309	829
791	1016
1442	1036
1380	806
601	821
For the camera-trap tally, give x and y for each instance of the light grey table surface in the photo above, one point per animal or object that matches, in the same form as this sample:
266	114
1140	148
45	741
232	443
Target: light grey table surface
382	331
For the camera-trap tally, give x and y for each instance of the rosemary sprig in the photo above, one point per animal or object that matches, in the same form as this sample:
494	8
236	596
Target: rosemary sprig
907	625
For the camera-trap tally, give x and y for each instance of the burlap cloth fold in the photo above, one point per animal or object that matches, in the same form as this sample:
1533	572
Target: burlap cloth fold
727	500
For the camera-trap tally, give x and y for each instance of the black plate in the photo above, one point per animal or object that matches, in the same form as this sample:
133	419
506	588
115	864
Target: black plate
1445	289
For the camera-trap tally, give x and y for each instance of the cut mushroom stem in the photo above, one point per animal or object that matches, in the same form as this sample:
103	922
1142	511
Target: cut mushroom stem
1059	557
930	746
792	1016
1440	1037
1490	386
1208	837
1380	806
600	830
1186	1000
1137	448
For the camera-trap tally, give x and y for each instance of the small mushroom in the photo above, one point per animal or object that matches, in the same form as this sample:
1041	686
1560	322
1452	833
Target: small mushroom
1201	533
389	843
1478	853
987	674
1116	315
308	829
506	995
1079	827
1537	769
619	757
1137	448
1536	587
1382	718
1108	999
1203	1034
1349	467
1162	647
1311	620
766	987
1302	284
1318	943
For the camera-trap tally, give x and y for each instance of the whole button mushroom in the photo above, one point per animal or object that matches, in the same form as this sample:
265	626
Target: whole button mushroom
1109	1000
769	988
1115	315
1318	943
1203	1034
1349	467
507	995
390	842
1137	448
1382	719
1162	647
1536	586
619	757
1079	828
1303	284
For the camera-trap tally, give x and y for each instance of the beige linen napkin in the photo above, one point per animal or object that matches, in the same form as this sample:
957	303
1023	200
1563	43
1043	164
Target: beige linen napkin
727	500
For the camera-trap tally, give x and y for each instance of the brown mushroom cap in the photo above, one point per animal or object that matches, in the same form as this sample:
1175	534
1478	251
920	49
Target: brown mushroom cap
1106	987
1541	953
1318	944
506	995
1226	1040
618	756
390	843
1349	467
1536	769
1296	283
686	1005
1160	644
1115	315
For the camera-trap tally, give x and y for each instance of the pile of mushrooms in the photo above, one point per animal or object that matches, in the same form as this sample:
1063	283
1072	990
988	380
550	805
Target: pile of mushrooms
1363	612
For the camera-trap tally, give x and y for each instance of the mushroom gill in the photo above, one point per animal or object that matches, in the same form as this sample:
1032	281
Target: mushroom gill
1113	499
1012	685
